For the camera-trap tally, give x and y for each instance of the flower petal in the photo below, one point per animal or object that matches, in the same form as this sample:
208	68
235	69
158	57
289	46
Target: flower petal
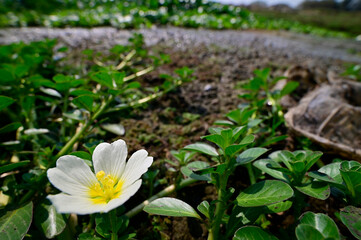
110	157
75	172
65	203
65	183
138	164
124	196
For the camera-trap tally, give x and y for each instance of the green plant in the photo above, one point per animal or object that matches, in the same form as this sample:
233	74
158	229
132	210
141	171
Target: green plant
266	193
265	100
292	168
144	13
46	114
354	72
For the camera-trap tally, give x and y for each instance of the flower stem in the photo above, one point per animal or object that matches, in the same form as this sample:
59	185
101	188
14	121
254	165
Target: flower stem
113	222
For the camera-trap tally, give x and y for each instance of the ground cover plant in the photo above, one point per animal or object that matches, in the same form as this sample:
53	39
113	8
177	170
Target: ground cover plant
135	14
45	114
241	214
54	125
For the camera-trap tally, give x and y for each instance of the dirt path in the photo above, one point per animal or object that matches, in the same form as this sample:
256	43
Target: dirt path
220	58
284	42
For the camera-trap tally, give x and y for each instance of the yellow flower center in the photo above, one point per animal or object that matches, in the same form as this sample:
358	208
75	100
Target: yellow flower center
106	189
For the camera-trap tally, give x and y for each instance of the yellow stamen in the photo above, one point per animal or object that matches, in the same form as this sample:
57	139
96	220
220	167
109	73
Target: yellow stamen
106	189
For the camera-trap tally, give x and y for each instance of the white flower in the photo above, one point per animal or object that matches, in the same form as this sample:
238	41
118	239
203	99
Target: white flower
113	184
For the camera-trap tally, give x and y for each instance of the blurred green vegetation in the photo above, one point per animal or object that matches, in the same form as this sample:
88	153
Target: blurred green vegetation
336	20
184	13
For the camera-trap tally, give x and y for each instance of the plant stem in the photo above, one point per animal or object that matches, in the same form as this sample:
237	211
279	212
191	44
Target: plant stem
76	137
64	110
210	235
298	204
126	60
138	74
113	222
165	192
220	206
252	178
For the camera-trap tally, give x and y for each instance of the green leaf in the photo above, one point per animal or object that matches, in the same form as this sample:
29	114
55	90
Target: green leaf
82	155
133	85
171	207
287	158
250	155
6	77
322	223
351	217
353	183
248	139
84	101
237	132
203	207
252	233
235	116
319	190
233	149
307	232
326	178
12	166
5	102
10	127
103	225
298	166
118	78
88	236
39	81
28	103
217	139
223	123
264	193
227	135
350	165
290	87
49	220
271	140
104	79
15	224
268	166
241	216
333	171
79	92
202	148
312	158
241	116
278	207
21	70
194	166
